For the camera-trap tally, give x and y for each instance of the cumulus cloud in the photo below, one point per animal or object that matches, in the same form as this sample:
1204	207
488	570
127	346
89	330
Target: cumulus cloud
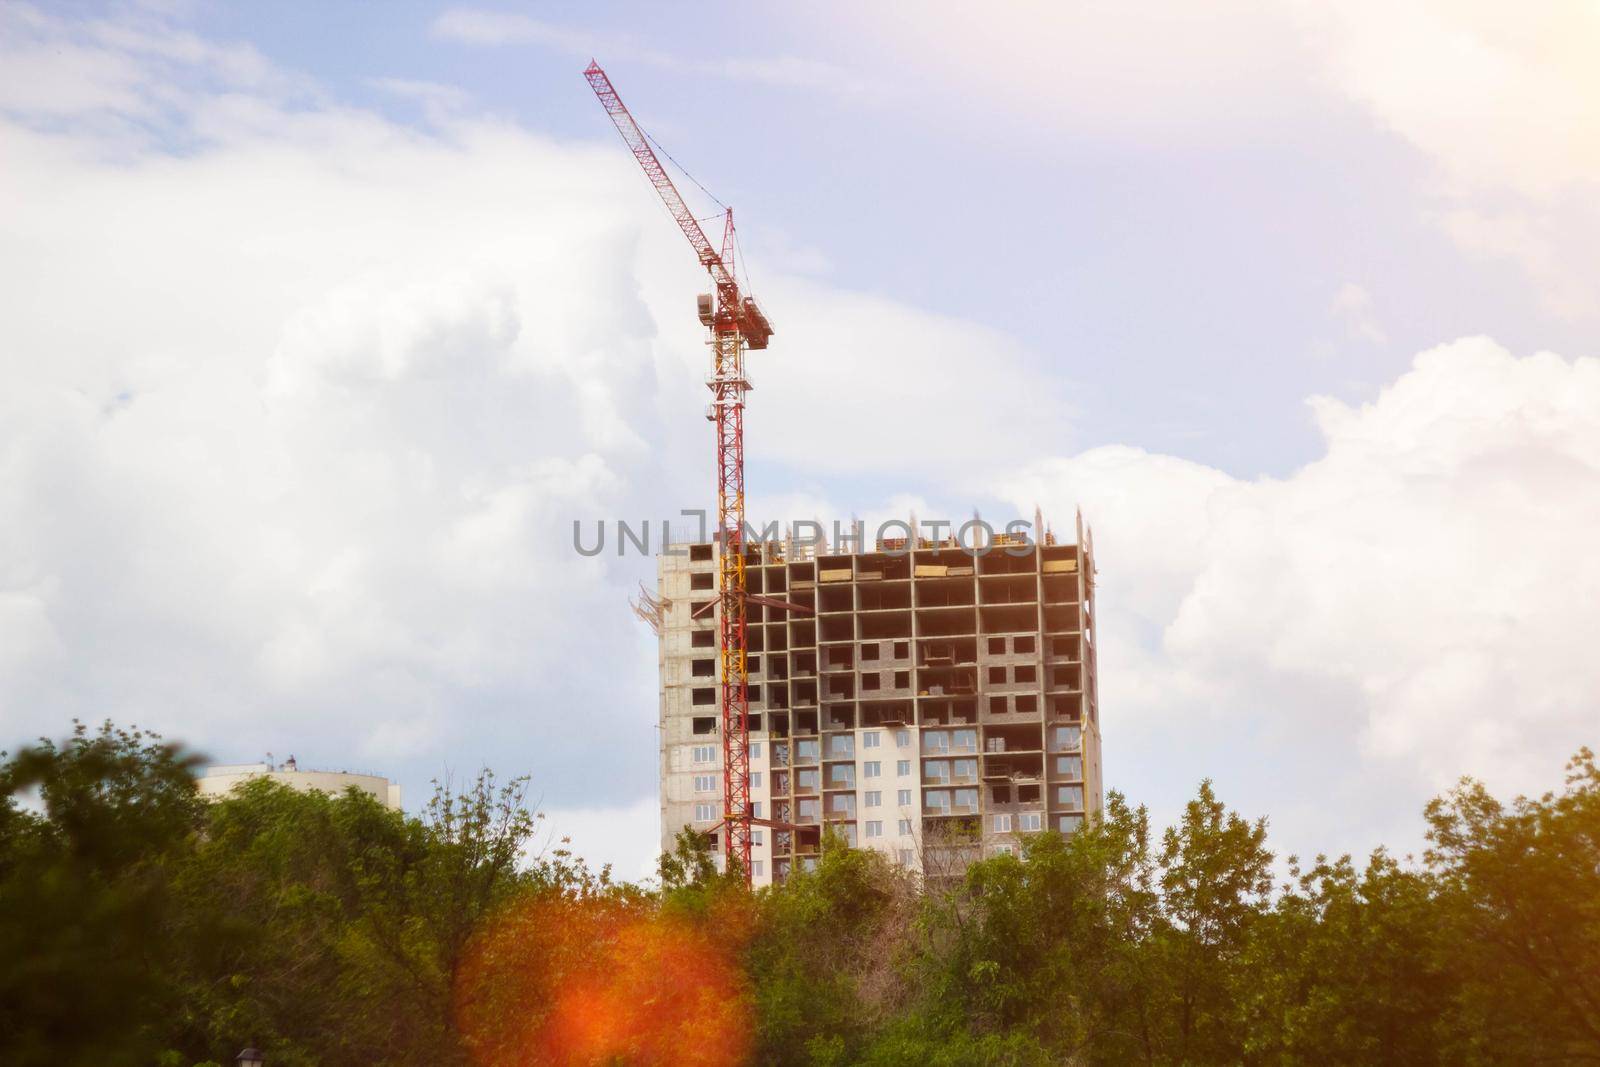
382	329
1503	98
1505	103
900	388
296	419
298	405
1411	606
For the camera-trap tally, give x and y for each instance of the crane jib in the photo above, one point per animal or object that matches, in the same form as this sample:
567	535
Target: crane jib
736	324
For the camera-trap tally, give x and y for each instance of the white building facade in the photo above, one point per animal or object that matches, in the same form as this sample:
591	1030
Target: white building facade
220	780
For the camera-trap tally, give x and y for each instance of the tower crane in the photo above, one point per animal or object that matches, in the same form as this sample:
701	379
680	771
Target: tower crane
736	324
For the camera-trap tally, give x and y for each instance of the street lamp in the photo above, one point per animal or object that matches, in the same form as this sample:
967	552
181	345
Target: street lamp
250	1057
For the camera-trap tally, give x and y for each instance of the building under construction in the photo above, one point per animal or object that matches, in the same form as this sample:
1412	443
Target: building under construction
921	699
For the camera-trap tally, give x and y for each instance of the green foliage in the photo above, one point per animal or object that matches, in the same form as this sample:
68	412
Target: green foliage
1520	892
85	895
824	956
692	888
330	929
1100	949
141	925
1345	969
1215	877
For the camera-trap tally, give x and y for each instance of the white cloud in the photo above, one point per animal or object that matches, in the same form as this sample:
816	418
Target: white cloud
1553	246
436	100
298	405
1352	305
294	420
59	67
38	80
493	28
1504	101
860	383
384	329
1503	97
1412	606
1168	71
1500	102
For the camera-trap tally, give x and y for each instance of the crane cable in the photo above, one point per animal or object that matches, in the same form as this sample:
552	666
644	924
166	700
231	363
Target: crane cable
743	265
682	169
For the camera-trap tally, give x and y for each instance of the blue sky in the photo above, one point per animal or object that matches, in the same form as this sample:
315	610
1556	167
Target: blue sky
1097	249
1182	274
331	318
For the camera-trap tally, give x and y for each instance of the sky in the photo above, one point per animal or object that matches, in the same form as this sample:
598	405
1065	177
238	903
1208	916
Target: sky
324	323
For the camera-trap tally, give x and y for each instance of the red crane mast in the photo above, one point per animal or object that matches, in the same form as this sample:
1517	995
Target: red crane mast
736	323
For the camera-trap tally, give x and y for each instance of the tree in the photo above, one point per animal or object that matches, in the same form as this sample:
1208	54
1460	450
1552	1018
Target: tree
411	936
142	925
1215	878
332	930
85	895
272	896
690	863
1041	946
1521	894
1092	949
825	954
1346	969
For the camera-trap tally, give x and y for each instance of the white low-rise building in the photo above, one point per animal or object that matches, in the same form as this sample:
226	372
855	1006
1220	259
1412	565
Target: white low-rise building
224	778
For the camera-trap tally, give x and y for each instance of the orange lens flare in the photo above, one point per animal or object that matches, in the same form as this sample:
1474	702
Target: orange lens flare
598	982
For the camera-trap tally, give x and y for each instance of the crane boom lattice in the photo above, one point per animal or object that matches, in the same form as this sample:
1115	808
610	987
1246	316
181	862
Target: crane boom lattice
736	323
